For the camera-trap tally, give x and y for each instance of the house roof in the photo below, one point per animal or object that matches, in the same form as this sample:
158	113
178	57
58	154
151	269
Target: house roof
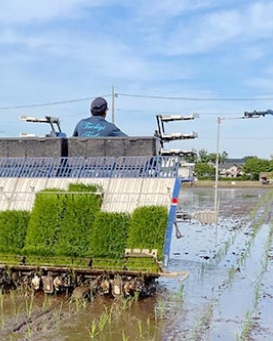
237	162
228	165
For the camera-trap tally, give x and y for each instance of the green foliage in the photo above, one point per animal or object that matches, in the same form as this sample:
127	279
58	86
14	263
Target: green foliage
147	228
45	221
13	226
109	235
254	166
204	171
203	156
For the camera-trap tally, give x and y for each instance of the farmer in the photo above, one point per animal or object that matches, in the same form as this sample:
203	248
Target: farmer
96	125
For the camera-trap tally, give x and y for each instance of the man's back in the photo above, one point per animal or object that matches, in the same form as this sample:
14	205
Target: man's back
97	126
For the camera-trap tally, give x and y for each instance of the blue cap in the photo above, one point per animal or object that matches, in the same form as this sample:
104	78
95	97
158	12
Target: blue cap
98	106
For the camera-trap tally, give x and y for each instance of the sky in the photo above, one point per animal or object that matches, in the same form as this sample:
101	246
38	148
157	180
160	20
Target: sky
175	57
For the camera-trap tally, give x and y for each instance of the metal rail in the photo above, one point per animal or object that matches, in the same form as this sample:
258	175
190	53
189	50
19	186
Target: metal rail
79	167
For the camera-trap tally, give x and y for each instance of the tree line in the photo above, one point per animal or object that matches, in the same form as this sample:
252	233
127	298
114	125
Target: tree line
251	168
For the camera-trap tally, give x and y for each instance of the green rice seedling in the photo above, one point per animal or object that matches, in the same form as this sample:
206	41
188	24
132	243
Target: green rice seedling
13	227
3	321
29	333
147	228
206	316
84	304
78	303
91	188
81	207
47	302
109	234
136	296
102	321
155	315
70	308
124	337
16	306
58	312
148	323
202	322
110	314
126	303
193	334
231	273
93	330
246	327
12	297
257	292
44	224
142	264
117	308
2	309
45	323
180	293
140	329
160	308
29	300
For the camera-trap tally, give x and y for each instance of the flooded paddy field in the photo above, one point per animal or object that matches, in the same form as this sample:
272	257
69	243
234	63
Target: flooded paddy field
228	295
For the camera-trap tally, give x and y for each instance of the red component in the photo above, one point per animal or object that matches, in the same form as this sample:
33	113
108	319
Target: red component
174	201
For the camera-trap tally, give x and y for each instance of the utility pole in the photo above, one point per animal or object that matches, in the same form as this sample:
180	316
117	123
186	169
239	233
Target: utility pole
247	115
114	95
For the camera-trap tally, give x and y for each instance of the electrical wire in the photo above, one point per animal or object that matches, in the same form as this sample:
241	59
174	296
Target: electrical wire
175	111
197	98
37	105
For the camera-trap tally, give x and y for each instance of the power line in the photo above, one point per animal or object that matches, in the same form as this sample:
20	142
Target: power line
175	111
36	105
197	98
178	98
237	138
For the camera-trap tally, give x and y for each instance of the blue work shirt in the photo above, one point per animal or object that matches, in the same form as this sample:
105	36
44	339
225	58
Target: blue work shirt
97	126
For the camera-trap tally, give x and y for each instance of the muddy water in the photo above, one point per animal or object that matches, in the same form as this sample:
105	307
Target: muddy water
228	295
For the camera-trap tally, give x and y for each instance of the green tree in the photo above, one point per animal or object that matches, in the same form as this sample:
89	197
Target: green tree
223	157
191	158
254	166
203	155
204	171
213	157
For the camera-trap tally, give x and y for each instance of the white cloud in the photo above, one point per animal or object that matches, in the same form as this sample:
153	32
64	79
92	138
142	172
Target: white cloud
170	8
25	11
55	50
203	33
112	58
266	84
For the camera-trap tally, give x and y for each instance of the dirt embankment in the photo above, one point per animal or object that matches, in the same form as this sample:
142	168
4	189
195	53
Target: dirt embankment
228	184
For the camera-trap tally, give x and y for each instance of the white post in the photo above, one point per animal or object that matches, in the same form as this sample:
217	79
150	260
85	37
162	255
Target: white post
217	166
113	104
216	205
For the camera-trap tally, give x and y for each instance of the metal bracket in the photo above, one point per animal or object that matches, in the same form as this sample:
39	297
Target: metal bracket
141	253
